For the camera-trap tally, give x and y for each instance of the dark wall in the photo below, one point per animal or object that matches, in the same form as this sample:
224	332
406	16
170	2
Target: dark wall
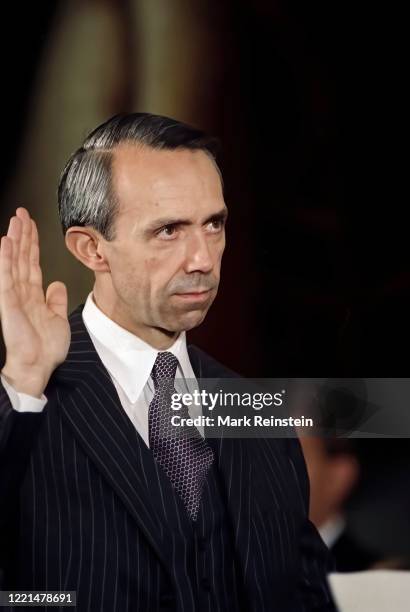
322	220
316	274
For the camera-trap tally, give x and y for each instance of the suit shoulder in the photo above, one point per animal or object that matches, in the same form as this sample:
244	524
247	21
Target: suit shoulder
206	366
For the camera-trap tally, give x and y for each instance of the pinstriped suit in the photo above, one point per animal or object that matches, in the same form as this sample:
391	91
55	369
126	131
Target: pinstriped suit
84	507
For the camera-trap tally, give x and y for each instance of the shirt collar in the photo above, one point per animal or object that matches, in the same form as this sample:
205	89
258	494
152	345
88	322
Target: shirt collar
332	529
127	358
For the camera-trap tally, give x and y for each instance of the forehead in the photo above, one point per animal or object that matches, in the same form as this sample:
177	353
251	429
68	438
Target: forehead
145	178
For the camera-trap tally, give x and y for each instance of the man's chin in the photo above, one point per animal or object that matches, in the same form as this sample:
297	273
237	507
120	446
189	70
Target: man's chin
187	320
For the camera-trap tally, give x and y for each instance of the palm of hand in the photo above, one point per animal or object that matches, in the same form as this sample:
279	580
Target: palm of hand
35	326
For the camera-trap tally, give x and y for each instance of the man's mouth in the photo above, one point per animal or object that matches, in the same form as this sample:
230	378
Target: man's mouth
198	295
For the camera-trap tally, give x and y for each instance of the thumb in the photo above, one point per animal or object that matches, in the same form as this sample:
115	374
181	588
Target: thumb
56	298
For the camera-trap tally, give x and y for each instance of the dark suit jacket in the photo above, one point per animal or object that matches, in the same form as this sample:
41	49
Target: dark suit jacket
76	513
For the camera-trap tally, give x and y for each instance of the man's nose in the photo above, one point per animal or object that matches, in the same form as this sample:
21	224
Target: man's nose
198	255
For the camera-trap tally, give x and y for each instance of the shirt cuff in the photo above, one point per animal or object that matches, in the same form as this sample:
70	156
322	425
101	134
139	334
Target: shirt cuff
21	402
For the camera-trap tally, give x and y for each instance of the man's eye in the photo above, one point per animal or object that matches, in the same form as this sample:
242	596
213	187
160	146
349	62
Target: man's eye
215	225
167	232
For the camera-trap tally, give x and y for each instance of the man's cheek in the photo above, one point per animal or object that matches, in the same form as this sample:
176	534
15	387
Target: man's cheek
218	257
153	263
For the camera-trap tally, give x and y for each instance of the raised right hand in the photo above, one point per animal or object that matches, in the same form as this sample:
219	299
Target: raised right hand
35	326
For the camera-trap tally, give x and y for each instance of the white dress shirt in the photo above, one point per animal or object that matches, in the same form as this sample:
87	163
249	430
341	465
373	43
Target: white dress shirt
21	401
129	361
331	530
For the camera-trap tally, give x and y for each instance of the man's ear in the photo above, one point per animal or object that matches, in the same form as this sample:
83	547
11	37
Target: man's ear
84	243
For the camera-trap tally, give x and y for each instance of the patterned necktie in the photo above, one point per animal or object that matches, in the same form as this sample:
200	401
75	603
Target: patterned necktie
182	453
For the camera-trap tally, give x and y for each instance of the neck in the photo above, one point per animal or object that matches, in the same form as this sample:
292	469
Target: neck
160	339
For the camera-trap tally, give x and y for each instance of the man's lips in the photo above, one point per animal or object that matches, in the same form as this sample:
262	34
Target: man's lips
194	295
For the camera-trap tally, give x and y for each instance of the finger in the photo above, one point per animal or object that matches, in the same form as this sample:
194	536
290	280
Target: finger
23	262
35	274
6	256
14	233
8	296
56	299
34	232
21	210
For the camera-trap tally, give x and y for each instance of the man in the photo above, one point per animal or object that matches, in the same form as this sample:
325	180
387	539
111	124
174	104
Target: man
94	497
334	472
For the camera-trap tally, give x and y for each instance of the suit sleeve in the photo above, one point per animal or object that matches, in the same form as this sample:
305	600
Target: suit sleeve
18	423
18	431
316	560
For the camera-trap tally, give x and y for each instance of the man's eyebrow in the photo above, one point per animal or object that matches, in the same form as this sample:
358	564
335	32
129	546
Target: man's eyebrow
220	215
164	221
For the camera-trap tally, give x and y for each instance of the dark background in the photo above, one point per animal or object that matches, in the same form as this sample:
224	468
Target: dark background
316	275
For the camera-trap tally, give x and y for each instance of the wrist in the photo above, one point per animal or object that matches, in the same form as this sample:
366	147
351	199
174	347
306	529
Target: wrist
25	380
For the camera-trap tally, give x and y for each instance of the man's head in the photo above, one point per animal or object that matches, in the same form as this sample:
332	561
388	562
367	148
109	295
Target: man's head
141	205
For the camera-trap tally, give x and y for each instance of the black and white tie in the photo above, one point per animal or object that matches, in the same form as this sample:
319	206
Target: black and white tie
182	453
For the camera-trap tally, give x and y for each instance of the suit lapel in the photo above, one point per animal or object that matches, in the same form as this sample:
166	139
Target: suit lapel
91	407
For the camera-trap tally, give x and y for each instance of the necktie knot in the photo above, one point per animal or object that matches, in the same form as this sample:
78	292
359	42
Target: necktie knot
164	368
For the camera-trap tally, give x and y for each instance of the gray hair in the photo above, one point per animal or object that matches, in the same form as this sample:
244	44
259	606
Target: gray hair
85	192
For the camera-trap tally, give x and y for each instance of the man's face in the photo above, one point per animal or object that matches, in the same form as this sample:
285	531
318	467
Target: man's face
169	238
